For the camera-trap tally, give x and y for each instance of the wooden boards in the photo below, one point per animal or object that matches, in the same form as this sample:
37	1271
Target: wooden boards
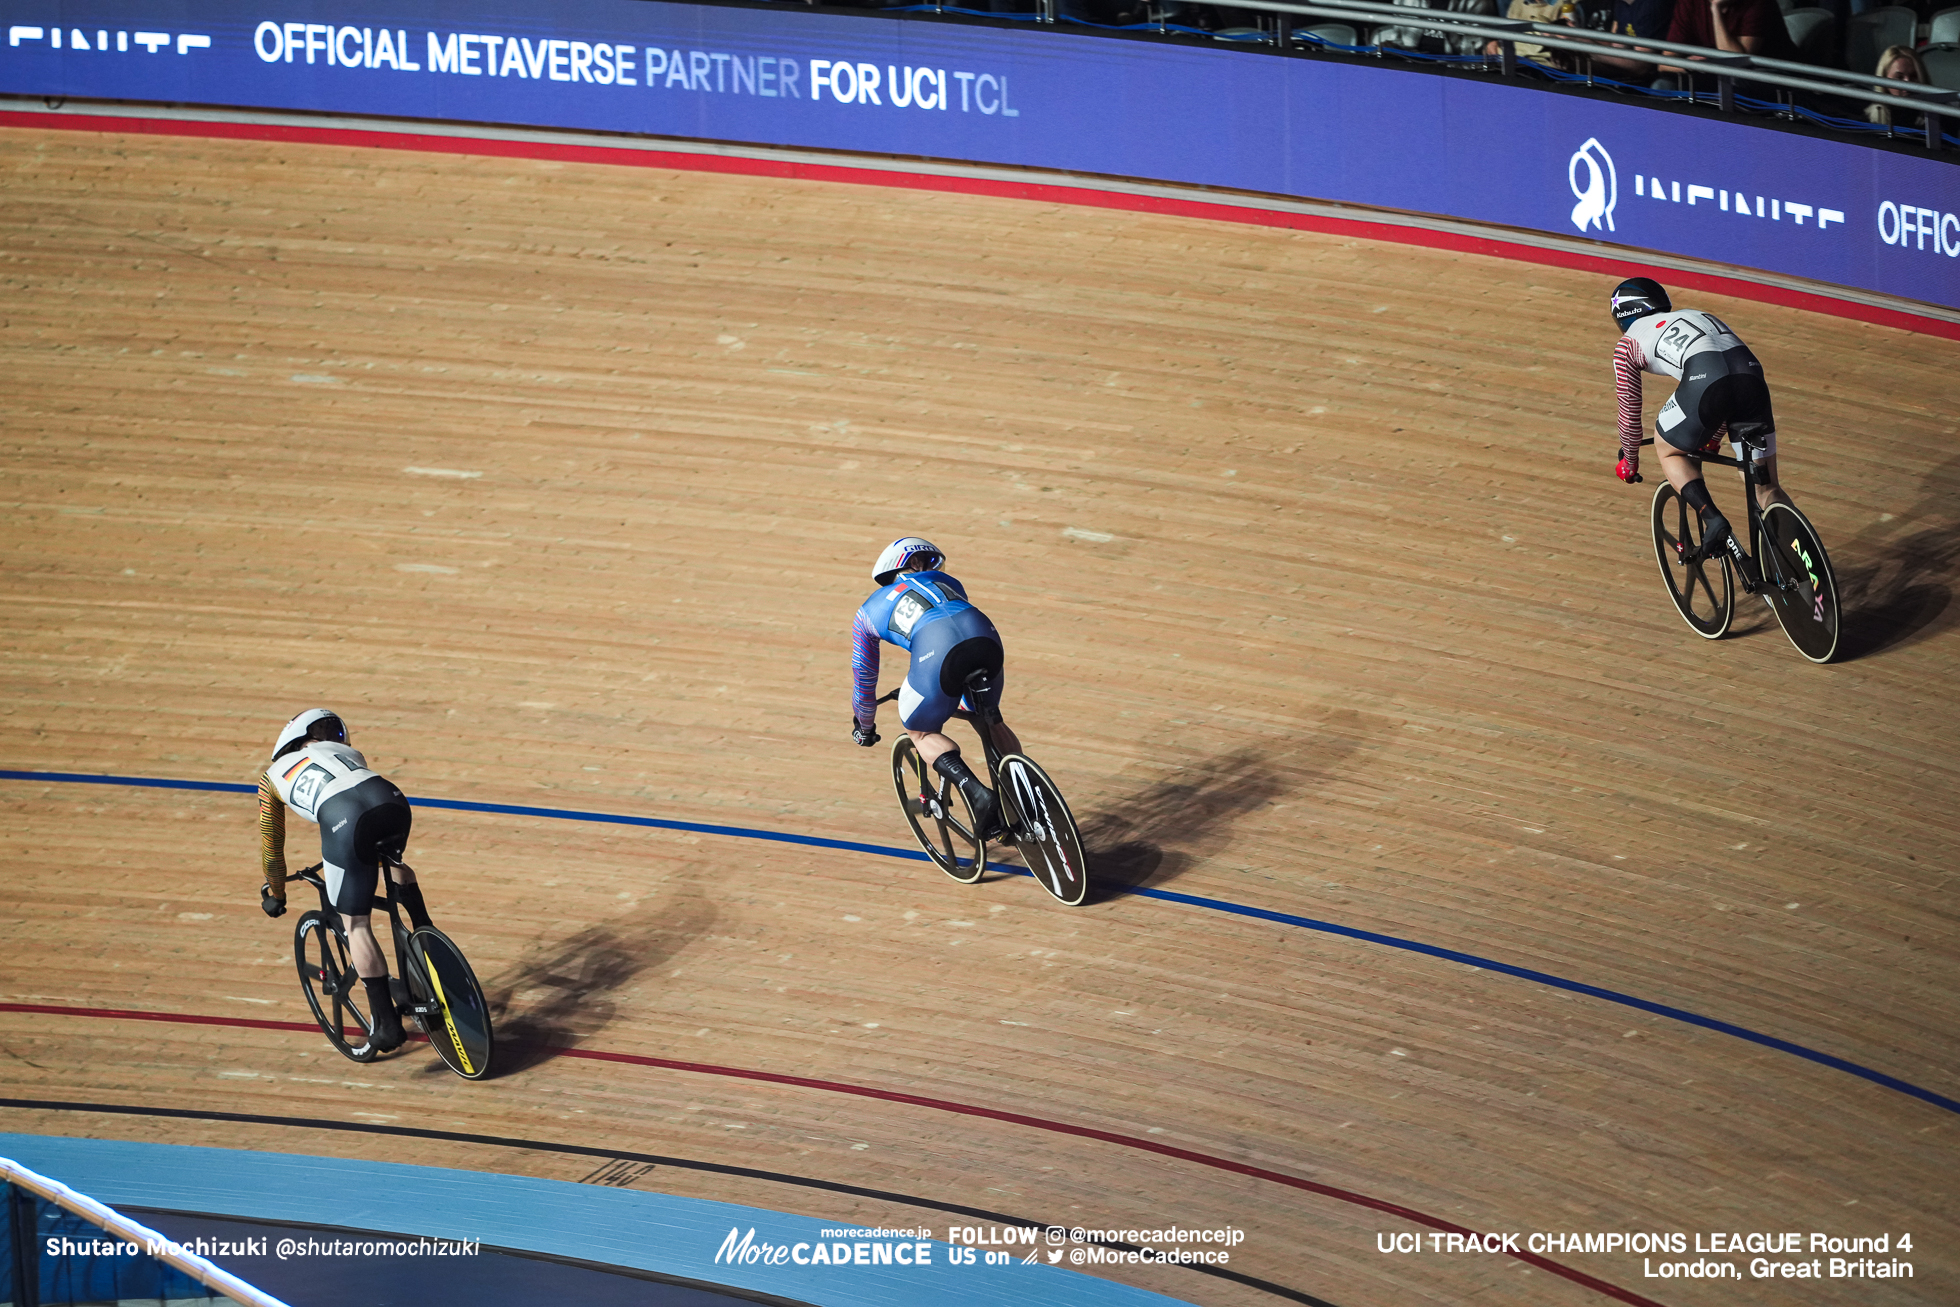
562	481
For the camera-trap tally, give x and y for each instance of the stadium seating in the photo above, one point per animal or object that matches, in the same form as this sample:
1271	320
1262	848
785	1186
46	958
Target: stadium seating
1942	65
1814	33
1872	31
1332	33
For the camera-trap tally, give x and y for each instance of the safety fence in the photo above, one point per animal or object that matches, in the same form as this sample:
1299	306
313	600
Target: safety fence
60	1247
1484	41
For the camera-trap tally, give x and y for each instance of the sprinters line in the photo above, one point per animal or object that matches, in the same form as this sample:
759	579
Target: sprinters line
1830	1060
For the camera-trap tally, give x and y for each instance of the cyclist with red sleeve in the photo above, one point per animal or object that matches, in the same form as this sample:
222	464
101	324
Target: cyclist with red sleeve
925	612
1719	391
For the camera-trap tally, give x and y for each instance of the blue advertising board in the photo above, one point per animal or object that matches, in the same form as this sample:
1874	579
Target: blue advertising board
1485	151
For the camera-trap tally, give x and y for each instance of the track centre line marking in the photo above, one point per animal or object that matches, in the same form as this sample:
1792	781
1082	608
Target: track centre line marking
1830	1060
883	1095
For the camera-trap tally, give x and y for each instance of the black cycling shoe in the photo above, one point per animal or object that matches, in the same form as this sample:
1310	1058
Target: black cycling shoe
1715	535
984	802
386	1033
404	1002
986	815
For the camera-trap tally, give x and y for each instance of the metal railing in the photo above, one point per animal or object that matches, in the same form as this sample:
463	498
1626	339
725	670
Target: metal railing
126	1231
1936	104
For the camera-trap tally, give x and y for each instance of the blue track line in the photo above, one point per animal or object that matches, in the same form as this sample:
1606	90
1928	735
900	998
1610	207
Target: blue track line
1167	896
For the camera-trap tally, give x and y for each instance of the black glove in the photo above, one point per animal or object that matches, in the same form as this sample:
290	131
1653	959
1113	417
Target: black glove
270	904
865	736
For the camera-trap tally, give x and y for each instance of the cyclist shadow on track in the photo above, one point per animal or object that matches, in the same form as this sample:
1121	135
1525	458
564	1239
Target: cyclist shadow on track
1152	836
563	992
1897	589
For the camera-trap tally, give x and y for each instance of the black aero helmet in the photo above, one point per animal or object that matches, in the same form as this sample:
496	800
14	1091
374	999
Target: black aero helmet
1636	297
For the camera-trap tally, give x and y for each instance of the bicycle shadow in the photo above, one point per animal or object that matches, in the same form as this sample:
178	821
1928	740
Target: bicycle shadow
1154	835
1898	590
566	991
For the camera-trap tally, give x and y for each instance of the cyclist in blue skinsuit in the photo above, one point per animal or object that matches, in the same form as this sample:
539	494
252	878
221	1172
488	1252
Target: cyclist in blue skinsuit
926	612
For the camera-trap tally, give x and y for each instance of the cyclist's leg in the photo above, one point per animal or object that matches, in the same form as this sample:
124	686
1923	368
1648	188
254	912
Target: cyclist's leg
979	651
1769	490
1752	434
354	827
1683	430
394	822
926	700
1004	738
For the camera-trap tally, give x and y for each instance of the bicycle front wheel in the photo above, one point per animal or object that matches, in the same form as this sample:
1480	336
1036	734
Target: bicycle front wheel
1799	583
333	988
938	813
1044	829
450	1004
1703	591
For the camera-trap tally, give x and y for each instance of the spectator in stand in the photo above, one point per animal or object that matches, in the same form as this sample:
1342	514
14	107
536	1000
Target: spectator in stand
1652	19
1900	64
1536	11
1734	26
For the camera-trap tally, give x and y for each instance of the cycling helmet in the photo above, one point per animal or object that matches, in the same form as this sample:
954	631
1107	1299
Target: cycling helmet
907	554
1636	297
313	724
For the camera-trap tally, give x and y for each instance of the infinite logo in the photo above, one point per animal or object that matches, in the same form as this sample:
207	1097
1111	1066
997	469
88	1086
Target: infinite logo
1600	190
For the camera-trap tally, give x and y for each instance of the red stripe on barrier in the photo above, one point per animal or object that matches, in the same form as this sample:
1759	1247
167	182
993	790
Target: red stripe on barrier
1611	265
918	1100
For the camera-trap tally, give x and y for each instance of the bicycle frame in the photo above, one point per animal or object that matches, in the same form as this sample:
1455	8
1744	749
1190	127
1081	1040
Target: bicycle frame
983	720
1749	565
385	901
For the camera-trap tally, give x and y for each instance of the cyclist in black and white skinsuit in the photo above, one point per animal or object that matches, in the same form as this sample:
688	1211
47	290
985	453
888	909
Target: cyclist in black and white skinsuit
1720	389
363	818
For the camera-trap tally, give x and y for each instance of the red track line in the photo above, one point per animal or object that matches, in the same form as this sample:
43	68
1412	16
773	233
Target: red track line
1612	265
916	1100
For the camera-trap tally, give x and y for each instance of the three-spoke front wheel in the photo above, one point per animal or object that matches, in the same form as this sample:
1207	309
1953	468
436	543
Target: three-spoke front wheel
333	988
1703	591
938	813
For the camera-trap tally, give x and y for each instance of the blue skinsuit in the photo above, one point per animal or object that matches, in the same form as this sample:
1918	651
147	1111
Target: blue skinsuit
928	615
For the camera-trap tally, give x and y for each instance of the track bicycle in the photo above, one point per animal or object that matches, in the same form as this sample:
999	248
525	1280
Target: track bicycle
433	985
1037	819
1785	563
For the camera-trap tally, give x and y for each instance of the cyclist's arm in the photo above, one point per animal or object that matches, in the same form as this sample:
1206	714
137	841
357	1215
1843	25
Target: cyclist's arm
1628	363
272	837
864	671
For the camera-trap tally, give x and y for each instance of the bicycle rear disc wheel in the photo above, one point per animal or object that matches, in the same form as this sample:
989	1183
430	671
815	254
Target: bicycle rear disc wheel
938	813
333	988
459	1029
1044	829
1799	583
1703	592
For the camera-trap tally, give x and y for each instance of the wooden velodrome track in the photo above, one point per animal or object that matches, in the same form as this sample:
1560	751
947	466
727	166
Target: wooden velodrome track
1319	598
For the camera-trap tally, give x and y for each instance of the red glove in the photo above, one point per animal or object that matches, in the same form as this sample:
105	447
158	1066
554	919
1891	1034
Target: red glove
1629	469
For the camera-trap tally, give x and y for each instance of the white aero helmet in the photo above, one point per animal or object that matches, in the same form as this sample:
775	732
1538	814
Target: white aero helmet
908	554
313	724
